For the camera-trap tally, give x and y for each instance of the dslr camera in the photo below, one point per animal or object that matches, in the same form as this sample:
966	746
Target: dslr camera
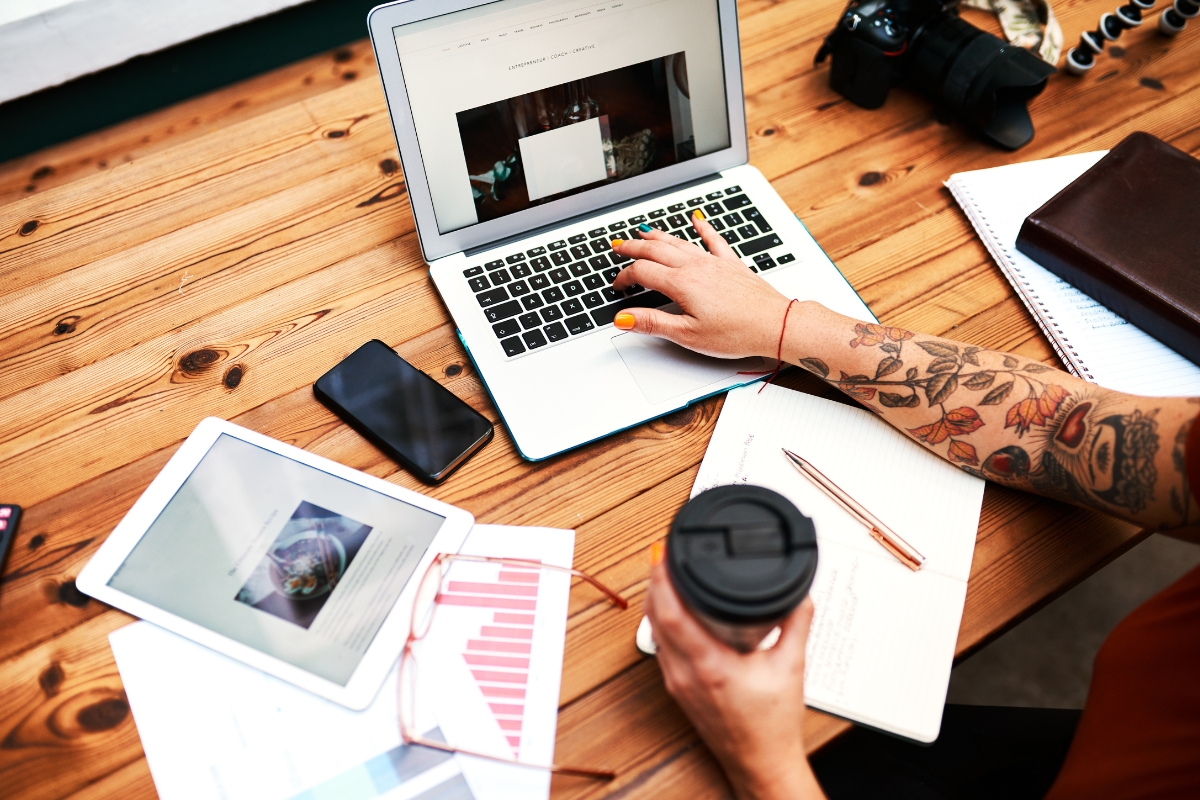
924	44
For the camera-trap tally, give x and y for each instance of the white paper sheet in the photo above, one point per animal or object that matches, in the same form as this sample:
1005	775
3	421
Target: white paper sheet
883	636
213	727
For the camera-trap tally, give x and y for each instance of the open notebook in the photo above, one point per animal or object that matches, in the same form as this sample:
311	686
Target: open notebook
1092	341
883	637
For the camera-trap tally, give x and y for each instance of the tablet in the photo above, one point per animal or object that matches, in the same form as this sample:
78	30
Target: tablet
284	560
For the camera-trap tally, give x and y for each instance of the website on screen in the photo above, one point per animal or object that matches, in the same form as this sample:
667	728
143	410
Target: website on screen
522	102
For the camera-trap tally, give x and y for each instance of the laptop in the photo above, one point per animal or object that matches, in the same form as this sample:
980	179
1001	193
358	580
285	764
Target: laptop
532	133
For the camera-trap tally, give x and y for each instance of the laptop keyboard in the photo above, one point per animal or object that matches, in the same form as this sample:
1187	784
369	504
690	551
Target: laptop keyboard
563	288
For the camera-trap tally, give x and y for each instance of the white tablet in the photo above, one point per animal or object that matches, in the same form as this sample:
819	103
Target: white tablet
290	562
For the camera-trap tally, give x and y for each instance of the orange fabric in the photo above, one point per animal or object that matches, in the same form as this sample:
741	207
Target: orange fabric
1139	735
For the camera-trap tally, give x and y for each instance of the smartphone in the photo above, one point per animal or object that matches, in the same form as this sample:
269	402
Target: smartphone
10	517
404	412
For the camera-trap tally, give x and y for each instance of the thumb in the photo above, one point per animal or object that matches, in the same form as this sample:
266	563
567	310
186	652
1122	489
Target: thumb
793	637
652	322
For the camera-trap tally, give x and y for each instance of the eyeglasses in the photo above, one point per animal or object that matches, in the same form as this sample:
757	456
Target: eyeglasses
429	597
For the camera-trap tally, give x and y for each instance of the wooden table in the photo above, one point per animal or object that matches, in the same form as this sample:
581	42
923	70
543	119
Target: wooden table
216	257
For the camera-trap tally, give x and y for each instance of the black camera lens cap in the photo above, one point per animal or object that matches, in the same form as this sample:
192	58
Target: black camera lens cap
742	554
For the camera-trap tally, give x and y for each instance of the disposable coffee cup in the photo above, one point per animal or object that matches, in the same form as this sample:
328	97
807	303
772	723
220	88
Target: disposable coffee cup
741	558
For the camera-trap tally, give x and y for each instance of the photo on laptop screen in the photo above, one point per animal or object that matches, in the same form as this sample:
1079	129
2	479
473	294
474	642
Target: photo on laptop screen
574	136
519	103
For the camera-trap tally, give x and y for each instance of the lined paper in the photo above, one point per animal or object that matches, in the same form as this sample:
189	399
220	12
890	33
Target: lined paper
1092	341
883	636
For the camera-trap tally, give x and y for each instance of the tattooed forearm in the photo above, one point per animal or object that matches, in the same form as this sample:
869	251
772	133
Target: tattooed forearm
1017	421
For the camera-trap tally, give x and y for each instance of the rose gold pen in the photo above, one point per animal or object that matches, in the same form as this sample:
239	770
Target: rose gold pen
891	541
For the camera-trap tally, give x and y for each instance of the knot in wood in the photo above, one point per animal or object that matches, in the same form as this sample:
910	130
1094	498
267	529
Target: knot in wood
453	370
37	541
198	361
1152	83
234	376
335	134
69	593
343	55
679	419
51	679
389	167
65	325
103	715
349	75
42	172
870	178
29	227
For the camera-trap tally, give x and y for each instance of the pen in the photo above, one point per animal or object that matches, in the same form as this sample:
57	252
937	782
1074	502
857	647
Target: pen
891	541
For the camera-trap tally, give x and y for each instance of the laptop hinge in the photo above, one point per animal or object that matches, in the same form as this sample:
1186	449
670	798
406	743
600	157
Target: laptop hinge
483	248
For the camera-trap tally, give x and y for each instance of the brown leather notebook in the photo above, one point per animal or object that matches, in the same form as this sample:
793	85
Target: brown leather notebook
1127	233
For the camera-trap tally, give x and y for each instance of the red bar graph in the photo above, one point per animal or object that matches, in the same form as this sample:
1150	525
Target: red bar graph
498	659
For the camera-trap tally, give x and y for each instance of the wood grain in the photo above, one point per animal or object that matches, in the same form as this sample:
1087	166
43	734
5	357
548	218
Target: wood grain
214	258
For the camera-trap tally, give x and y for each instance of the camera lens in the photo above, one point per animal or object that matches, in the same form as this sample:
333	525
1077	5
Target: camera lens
983	80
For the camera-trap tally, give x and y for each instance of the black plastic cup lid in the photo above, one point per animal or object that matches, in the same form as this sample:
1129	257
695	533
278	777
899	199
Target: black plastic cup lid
742	554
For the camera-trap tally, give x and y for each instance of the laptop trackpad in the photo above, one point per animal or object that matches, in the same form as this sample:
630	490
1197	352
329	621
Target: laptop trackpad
663	370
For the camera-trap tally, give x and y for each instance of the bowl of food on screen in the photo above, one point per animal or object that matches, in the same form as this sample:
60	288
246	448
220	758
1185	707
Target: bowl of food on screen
306	565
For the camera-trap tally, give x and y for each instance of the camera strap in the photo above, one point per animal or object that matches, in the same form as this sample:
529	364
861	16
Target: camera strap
1026	23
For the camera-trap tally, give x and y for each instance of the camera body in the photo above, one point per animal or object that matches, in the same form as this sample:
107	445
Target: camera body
924	44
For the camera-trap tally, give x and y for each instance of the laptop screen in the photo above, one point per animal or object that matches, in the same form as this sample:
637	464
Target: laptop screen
518	103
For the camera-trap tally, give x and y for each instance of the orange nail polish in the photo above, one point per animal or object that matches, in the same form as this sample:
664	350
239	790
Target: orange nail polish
625	321
698	214
617	243
656	553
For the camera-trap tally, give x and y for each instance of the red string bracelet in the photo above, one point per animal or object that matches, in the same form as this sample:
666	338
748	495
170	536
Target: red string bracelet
778	349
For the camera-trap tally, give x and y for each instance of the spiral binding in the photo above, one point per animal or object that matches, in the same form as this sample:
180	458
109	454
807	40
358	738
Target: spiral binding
1082	58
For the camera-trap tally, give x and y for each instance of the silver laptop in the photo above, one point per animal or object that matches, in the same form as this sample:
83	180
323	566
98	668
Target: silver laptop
532	132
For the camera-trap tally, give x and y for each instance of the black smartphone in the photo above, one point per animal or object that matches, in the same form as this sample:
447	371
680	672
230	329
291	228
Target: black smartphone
10	517
403	411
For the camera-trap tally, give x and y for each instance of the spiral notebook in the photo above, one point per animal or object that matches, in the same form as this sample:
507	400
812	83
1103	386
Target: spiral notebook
1092	341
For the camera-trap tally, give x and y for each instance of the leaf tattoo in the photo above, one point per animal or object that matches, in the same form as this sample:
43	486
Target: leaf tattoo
815	366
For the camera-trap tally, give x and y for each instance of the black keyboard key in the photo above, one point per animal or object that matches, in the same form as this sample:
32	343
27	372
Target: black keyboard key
497	264
634	289
747	231
761	257
693	233
733	219
601	245
478	284
551	313
733	190
594	232
572	306
507	328
537	251
658	223
500	276
599	263
577	238
579	324
762	265
593	299
573	288
530	321
605	316
497	295
714	210
617	258
616	226
534	339
515	257
676	207
521	271
580	268
638	220
502	311
513	346
559	245
760	244
737	201
555	332
786	258
593	281
472	272
730	237
559	275
753	268
611	295
755	216
611	274
679	234
676	221
714	195
662	212
518	288
531	301
561	257
695	201
539	282
553	295
541	263
717	224
581	251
